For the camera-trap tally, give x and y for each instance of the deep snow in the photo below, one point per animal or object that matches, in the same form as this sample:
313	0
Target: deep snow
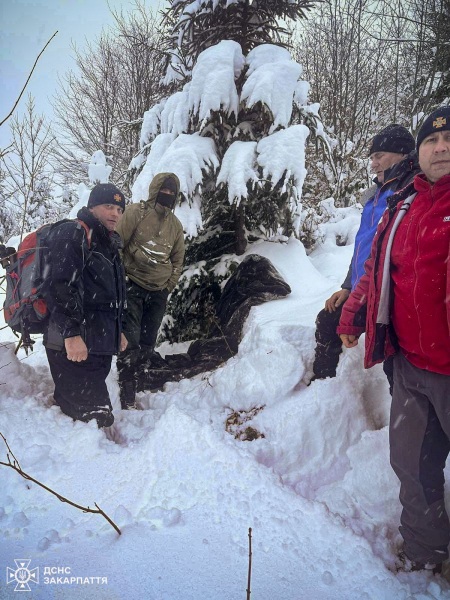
317	490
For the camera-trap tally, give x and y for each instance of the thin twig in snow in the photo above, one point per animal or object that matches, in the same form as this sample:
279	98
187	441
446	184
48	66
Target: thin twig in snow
249	562
16	466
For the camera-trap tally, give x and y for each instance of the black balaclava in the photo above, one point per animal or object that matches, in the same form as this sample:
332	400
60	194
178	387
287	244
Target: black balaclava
167	200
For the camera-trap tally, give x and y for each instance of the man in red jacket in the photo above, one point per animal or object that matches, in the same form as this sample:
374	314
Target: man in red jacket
403	304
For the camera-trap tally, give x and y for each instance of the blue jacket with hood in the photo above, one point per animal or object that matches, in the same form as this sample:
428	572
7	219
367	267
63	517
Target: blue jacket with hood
395	179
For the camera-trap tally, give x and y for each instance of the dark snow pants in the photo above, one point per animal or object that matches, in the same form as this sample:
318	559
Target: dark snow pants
328	343
80	388
329	347
144	313
419	435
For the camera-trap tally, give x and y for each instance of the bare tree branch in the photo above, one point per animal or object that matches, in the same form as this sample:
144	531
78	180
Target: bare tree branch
14	464
29	77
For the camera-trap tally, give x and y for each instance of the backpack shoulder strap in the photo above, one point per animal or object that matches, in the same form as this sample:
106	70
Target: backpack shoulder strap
87	229
143	210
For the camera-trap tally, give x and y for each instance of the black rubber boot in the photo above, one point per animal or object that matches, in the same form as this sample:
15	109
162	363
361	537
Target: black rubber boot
408	566
127	394
105	418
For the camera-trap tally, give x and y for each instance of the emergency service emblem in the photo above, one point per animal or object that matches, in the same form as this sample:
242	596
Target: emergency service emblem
22	576
440	122
117	198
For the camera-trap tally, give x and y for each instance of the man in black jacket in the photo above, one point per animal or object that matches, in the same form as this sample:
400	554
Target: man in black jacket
86	297
394	162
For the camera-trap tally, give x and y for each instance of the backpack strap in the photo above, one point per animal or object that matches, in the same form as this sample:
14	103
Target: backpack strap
87	229
143	206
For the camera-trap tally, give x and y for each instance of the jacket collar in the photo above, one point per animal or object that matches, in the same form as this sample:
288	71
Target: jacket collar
161	211
406	165
93	223
440	187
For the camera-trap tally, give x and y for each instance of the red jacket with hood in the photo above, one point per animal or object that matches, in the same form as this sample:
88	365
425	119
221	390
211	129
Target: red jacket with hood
405	291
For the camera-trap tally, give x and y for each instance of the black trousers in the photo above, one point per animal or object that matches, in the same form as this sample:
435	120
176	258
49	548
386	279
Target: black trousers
329	347
80	388
144	313
419	437
328	343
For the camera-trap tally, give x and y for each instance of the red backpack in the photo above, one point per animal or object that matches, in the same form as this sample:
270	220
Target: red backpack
25	307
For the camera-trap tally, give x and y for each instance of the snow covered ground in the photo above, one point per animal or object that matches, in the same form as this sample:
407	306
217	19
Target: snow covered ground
317	489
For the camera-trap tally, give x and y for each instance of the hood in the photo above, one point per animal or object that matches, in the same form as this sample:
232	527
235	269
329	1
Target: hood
407	164
156	184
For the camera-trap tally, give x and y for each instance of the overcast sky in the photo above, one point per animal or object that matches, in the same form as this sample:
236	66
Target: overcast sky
25	27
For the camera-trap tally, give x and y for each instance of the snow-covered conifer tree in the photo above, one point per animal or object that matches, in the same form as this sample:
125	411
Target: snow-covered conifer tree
99	172
199	24
235	134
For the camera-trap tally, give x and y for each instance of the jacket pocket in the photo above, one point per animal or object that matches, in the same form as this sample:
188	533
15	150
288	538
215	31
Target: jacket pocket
101	331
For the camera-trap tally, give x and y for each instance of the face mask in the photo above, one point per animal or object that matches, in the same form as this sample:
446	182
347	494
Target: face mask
166	199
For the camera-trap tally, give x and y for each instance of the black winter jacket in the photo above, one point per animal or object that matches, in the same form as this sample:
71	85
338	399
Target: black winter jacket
86	289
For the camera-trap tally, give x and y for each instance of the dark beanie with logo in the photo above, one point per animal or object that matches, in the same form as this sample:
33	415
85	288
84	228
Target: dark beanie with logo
106	193
393	138
439	120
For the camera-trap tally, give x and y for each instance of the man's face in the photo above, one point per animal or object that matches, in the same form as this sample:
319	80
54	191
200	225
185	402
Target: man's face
108	214
380	161
434	155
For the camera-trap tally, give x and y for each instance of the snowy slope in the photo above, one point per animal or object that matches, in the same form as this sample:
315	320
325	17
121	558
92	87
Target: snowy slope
317	489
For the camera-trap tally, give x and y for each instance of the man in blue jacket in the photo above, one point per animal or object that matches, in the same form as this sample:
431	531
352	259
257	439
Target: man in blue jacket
394	163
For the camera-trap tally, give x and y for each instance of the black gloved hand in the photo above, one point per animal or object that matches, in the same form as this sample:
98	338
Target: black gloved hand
5	253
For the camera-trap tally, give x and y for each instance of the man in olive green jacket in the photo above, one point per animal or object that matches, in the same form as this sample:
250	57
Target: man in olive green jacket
153	257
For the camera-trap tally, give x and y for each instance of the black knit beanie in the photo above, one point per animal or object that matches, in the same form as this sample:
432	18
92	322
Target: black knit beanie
106	193
439	120
393	138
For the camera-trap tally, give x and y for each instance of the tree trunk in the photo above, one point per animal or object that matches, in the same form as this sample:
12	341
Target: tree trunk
239	230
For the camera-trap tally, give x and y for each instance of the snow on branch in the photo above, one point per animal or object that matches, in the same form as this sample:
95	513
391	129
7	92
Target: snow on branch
98	170
274	85
188	156
283	154
265	54
238	167
213	80
235	143
175	114
301	97
159	145
151	123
